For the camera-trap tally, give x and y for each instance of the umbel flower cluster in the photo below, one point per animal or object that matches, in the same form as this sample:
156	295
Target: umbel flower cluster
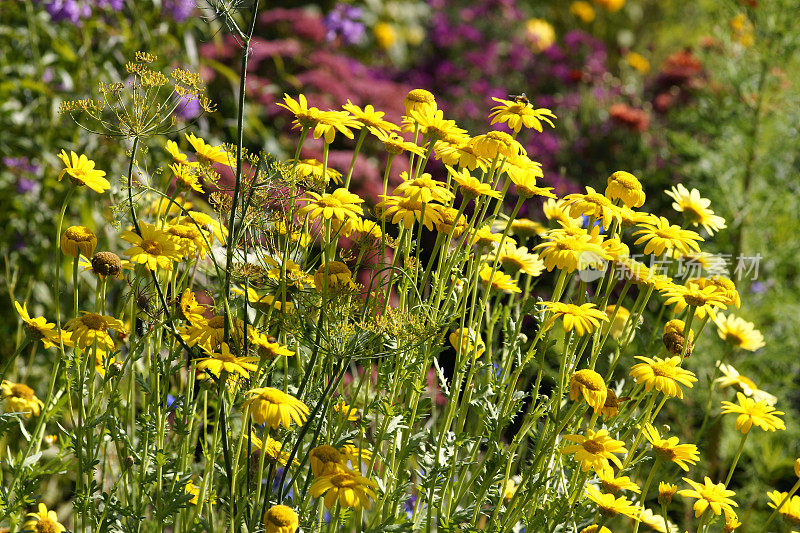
299	357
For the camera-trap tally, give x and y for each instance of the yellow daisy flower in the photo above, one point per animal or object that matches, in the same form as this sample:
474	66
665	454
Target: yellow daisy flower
91	328
461	155
730	377
395	144
281	519
348	413
753	413
186	176
519	113
312	169
155	248
331	122
190	240
515	260
591	386
558	210
178	157
190	310
448	222
695	209
40	329
274	408
207	153
225	361
497	144
305	117
739	332
432	124
406	211
471	187
594	450
423	189
569	252
583	10
326	459
78	240
419	99
20	398
669	450
82	172
351	490
705	301
790	510
615	484
626	187
593	204
498	281
582	318
660	235
610	506
709	494
467	341
664	375
340	205
369	117
43	521
665	492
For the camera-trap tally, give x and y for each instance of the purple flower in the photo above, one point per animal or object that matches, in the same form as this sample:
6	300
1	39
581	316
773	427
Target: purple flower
345	22
189	108
180	10
25	186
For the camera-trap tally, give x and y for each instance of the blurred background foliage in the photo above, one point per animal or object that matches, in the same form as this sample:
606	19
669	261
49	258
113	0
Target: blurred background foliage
702	93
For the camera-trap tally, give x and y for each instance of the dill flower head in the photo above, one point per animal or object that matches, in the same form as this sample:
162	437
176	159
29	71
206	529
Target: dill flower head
790	510
610	506
40	329
626	187
519	113
591	386
326	459
753	413
281	519
107	264
612	484
595	449
407	211
155	248
695	209
178	157
582	318
369	117
664	375
207	153
498	281
340	205
665	492
731	377
82	172
496	144
274	407
593	204
660	235
225	361
466	341
423	189
709	494
43	521
312	169
669	450
418	100
351	490
471	187
91	328
20	398
187	177
739	332
78	240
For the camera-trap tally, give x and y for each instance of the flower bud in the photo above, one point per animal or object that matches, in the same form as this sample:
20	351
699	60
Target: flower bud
106	264
665	492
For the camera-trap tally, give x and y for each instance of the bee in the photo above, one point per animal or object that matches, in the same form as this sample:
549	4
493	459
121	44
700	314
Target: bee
519	98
